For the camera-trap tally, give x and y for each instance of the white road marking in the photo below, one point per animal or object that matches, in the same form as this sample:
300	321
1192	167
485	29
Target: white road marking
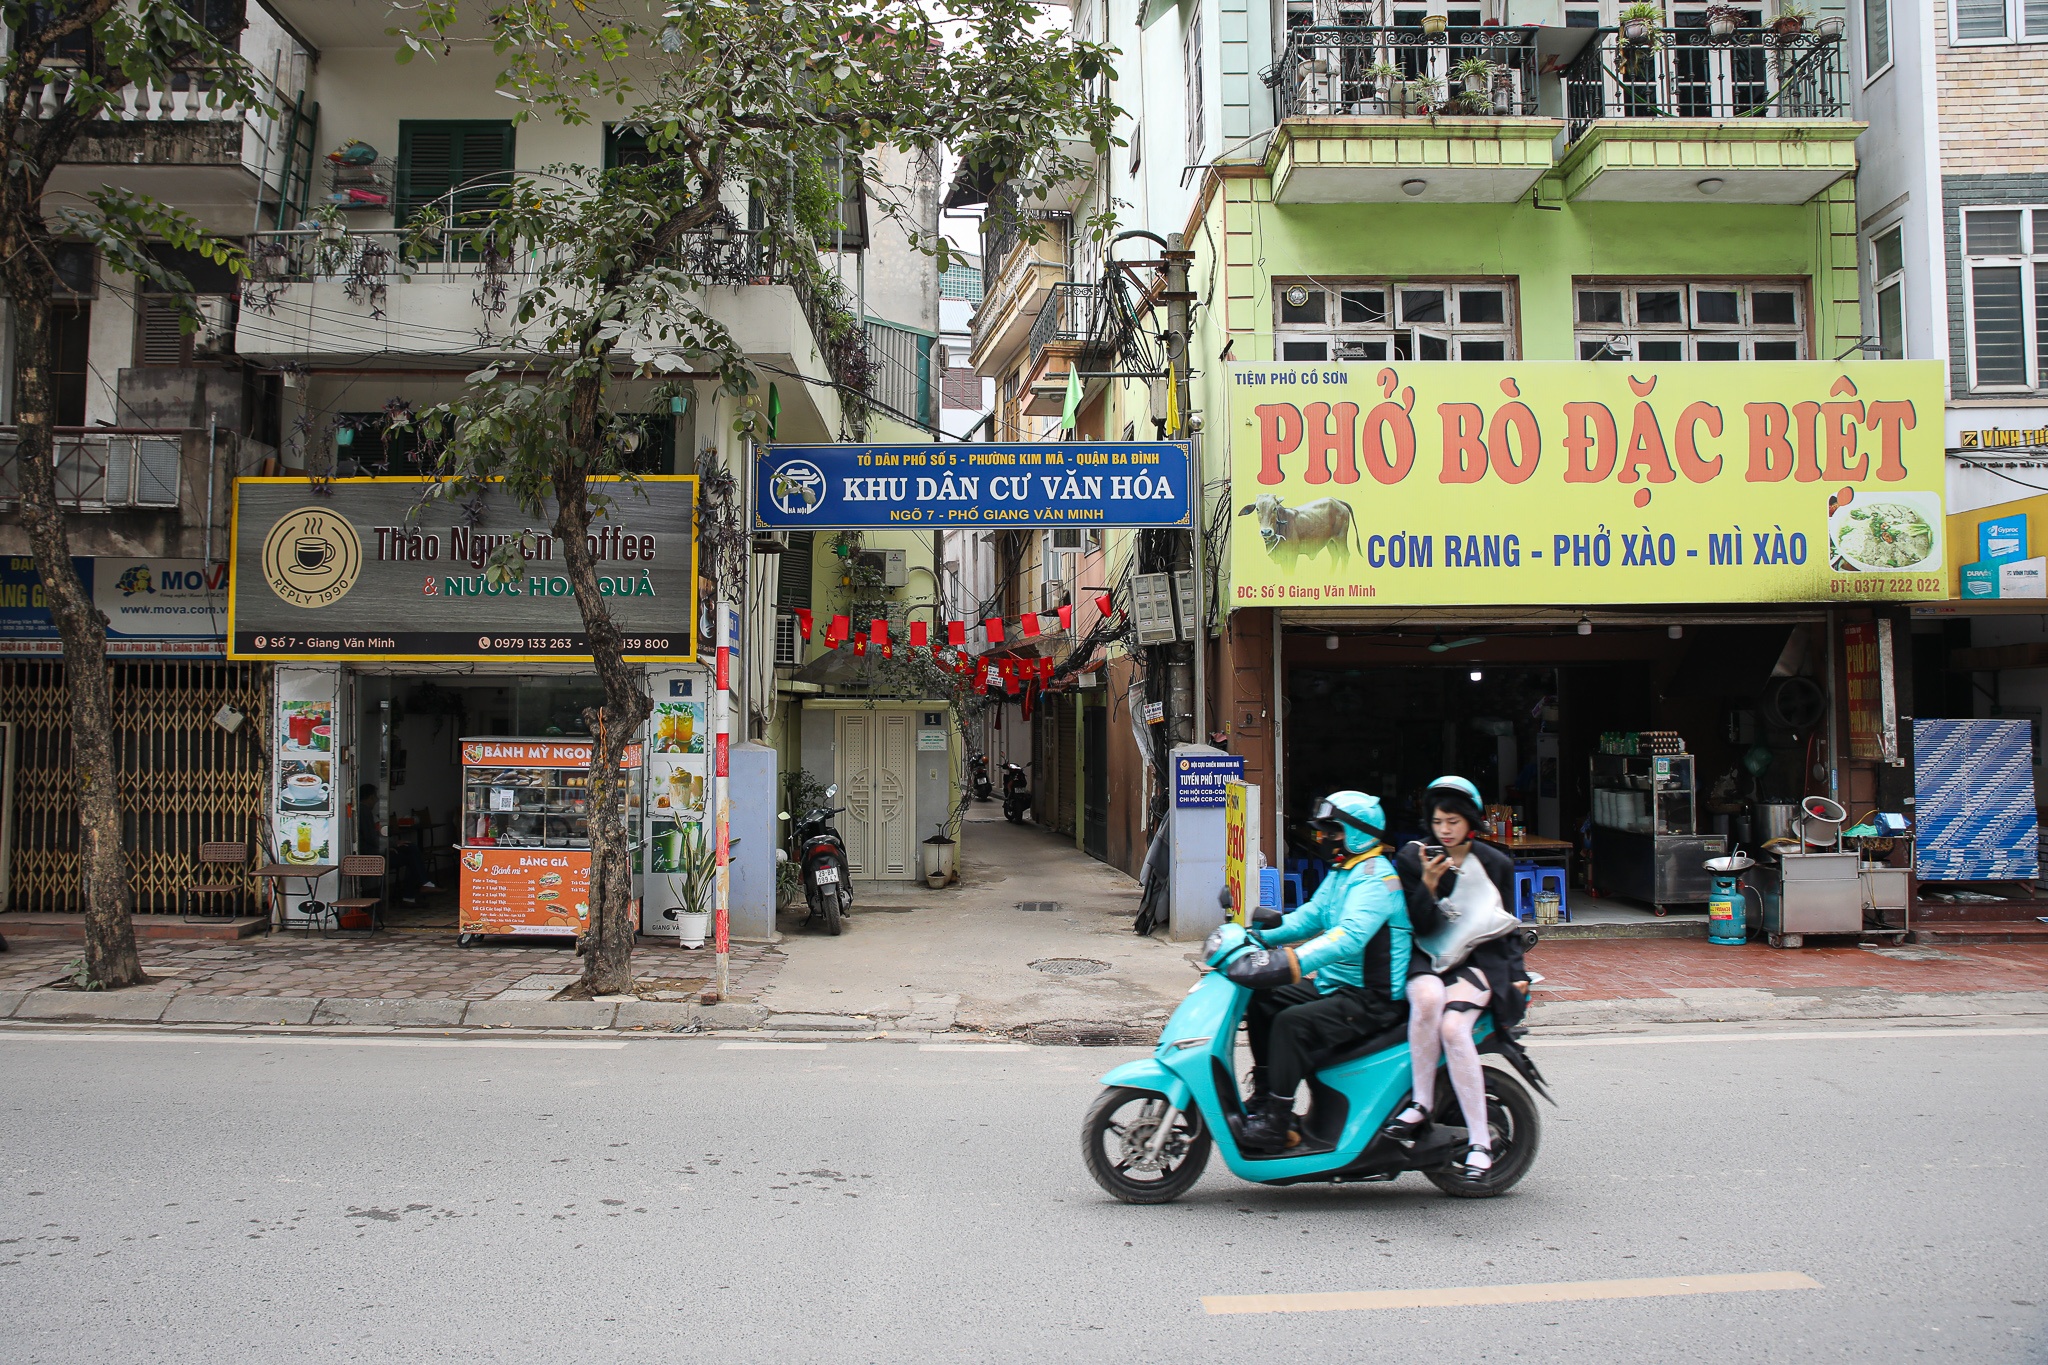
973	1047
1633	1040
1487	1294
303	1040
771	1047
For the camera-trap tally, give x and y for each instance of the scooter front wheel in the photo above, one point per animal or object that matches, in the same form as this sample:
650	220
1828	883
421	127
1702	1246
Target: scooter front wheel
1116	1145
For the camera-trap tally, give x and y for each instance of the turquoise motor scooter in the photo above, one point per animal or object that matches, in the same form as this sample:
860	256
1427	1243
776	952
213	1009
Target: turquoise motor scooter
1148	1136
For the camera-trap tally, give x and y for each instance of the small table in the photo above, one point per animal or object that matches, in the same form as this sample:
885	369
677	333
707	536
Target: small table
311	873
1533	849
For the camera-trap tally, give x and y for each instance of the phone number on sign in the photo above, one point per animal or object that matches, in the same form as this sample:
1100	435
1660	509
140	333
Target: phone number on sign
1881	584
631	644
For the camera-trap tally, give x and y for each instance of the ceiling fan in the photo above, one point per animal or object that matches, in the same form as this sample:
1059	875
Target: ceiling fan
1440	646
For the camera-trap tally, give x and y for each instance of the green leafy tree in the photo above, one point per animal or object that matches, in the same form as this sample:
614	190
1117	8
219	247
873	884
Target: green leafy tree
79	56
738	100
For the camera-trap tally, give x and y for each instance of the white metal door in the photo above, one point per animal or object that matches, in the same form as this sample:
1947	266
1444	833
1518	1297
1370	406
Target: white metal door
874	775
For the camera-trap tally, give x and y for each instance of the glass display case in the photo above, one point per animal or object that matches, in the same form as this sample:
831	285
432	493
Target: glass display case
1644	842
526	835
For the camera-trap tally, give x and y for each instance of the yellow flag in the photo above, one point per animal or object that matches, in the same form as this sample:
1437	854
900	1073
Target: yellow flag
1172	402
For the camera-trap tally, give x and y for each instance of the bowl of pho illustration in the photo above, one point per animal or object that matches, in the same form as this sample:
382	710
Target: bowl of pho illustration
1888	532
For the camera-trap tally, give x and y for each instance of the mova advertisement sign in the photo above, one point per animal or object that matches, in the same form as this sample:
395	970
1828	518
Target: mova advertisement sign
1074	483
1531	483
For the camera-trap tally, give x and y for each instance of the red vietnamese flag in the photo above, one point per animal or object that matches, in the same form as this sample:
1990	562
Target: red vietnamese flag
860	646
878	630
803	622
981	683
1029	622
1067	617
956	633
918	635
1045	669
1104	605
994	626
838	630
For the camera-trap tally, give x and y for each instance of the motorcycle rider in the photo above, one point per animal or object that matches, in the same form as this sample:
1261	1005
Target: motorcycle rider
1465	877
1355	943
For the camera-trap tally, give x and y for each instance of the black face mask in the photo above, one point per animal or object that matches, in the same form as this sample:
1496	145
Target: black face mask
1329	841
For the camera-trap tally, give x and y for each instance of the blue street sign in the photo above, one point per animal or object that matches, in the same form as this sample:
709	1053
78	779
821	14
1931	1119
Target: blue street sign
1057	484
1198	778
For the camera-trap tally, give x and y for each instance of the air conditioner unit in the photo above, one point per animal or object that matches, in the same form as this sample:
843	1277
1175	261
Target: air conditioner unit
894	565
788	644
216	334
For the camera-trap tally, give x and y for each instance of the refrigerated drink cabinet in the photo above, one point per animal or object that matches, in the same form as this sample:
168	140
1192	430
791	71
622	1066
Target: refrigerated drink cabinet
525	846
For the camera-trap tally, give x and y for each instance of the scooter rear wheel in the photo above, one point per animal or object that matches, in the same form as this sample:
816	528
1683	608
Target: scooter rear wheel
1118	1130
1516	1131
828	909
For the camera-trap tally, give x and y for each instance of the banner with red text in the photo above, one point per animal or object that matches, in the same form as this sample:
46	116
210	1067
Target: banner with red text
1546	483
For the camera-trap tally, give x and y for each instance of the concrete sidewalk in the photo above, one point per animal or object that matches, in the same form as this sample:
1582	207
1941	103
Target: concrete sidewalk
964	957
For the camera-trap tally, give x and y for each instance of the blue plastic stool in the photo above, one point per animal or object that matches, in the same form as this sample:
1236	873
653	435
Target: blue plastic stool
1552	879
1525	890
1269	887
1291	893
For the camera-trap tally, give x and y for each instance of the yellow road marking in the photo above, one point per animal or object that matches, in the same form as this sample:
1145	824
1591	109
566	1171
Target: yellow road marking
1477	1295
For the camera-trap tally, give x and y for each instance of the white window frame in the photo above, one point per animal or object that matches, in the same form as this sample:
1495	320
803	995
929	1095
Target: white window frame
1192	61
1880	283
1333	331
2015	28
1689	332
2031	262
1891	45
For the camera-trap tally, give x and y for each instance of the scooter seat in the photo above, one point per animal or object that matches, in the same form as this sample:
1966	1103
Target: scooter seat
1378	1042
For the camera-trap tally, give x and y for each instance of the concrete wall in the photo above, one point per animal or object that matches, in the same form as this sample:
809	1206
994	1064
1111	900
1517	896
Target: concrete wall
1993	102
1898	176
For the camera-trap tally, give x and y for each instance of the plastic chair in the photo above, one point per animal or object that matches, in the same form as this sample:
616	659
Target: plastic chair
1525	890
1290	891
1552	879
1269	887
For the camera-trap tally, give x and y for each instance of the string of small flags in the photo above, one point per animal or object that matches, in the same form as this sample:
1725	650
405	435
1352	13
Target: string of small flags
1012	675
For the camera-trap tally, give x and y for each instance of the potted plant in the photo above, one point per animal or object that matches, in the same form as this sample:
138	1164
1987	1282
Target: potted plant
1421	92
1476	73
1435	23
1791	20
691	884
1722	20
1641	24
1475	102
1387	80
1828	26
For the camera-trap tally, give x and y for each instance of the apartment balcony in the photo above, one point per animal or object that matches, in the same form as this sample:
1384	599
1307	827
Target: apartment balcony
1748	116
1018	276
1386	114
181	146
319	297
1080	327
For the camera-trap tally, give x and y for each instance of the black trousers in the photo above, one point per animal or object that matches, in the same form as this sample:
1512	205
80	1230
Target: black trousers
1293	1027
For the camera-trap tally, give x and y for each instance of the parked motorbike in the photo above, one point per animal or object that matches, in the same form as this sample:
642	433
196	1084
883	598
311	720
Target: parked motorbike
977	768
821	861
1016	793
1148	1136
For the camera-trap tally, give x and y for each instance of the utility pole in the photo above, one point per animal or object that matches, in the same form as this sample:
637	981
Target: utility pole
1184	660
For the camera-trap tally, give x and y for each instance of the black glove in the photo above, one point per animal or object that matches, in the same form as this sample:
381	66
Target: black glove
1266	917
1265	968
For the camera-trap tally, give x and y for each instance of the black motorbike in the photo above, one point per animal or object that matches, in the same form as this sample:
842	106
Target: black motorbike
821	863
977	770
1016	793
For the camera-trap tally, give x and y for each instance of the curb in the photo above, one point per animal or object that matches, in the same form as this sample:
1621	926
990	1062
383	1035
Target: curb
167	1007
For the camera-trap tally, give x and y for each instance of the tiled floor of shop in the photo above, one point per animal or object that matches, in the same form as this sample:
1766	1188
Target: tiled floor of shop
396	966
1621	969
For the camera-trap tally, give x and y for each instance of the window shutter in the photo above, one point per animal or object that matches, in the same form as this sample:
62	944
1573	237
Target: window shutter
436	158
2000	327
793	571
163	337
156	471
486	151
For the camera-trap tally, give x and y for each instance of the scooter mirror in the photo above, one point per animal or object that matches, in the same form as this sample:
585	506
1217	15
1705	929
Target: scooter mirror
832	790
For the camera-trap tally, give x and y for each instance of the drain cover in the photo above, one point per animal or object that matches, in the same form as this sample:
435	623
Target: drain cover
1070	966
1043	907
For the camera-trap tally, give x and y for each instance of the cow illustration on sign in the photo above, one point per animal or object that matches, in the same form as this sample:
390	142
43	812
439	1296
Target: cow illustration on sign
1291	532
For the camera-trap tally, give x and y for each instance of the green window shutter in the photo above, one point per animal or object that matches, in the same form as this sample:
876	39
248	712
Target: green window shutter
435	158
793	571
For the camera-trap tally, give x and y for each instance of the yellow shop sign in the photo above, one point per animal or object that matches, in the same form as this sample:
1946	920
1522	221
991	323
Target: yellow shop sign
1533	483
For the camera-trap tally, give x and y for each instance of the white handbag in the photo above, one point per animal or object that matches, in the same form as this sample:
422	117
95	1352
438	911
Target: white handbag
1467	929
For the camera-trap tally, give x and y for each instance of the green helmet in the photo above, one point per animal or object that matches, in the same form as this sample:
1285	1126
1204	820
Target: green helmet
1343	816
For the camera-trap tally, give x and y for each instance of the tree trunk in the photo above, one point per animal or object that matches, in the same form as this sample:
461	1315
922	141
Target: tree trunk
109	933
608	942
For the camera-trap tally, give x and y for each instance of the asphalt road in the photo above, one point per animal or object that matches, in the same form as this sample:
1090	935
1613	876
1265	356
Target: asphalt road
167	1197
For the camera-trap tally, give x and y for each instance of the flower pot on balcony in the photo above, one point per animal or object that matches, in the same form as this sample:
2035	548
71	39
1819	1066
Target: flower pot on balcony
1475	85
1635	31
1789	26
1828	26
1719	27
1435	23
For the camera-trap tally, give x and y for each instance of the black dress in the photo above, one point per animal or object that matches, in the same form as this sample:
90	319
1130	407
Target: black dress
1498	960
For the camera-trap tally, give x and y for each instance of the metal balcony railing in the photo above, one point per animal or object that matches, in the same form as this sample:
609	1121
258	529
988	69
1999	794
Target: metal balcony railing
1082	314
305	254
1331	70
1692	73
104	470
1005	225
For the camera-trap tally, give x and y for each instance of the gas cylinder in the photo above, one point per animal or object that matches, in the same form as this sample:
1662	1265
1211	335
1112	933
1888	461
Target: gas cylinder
1727	899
